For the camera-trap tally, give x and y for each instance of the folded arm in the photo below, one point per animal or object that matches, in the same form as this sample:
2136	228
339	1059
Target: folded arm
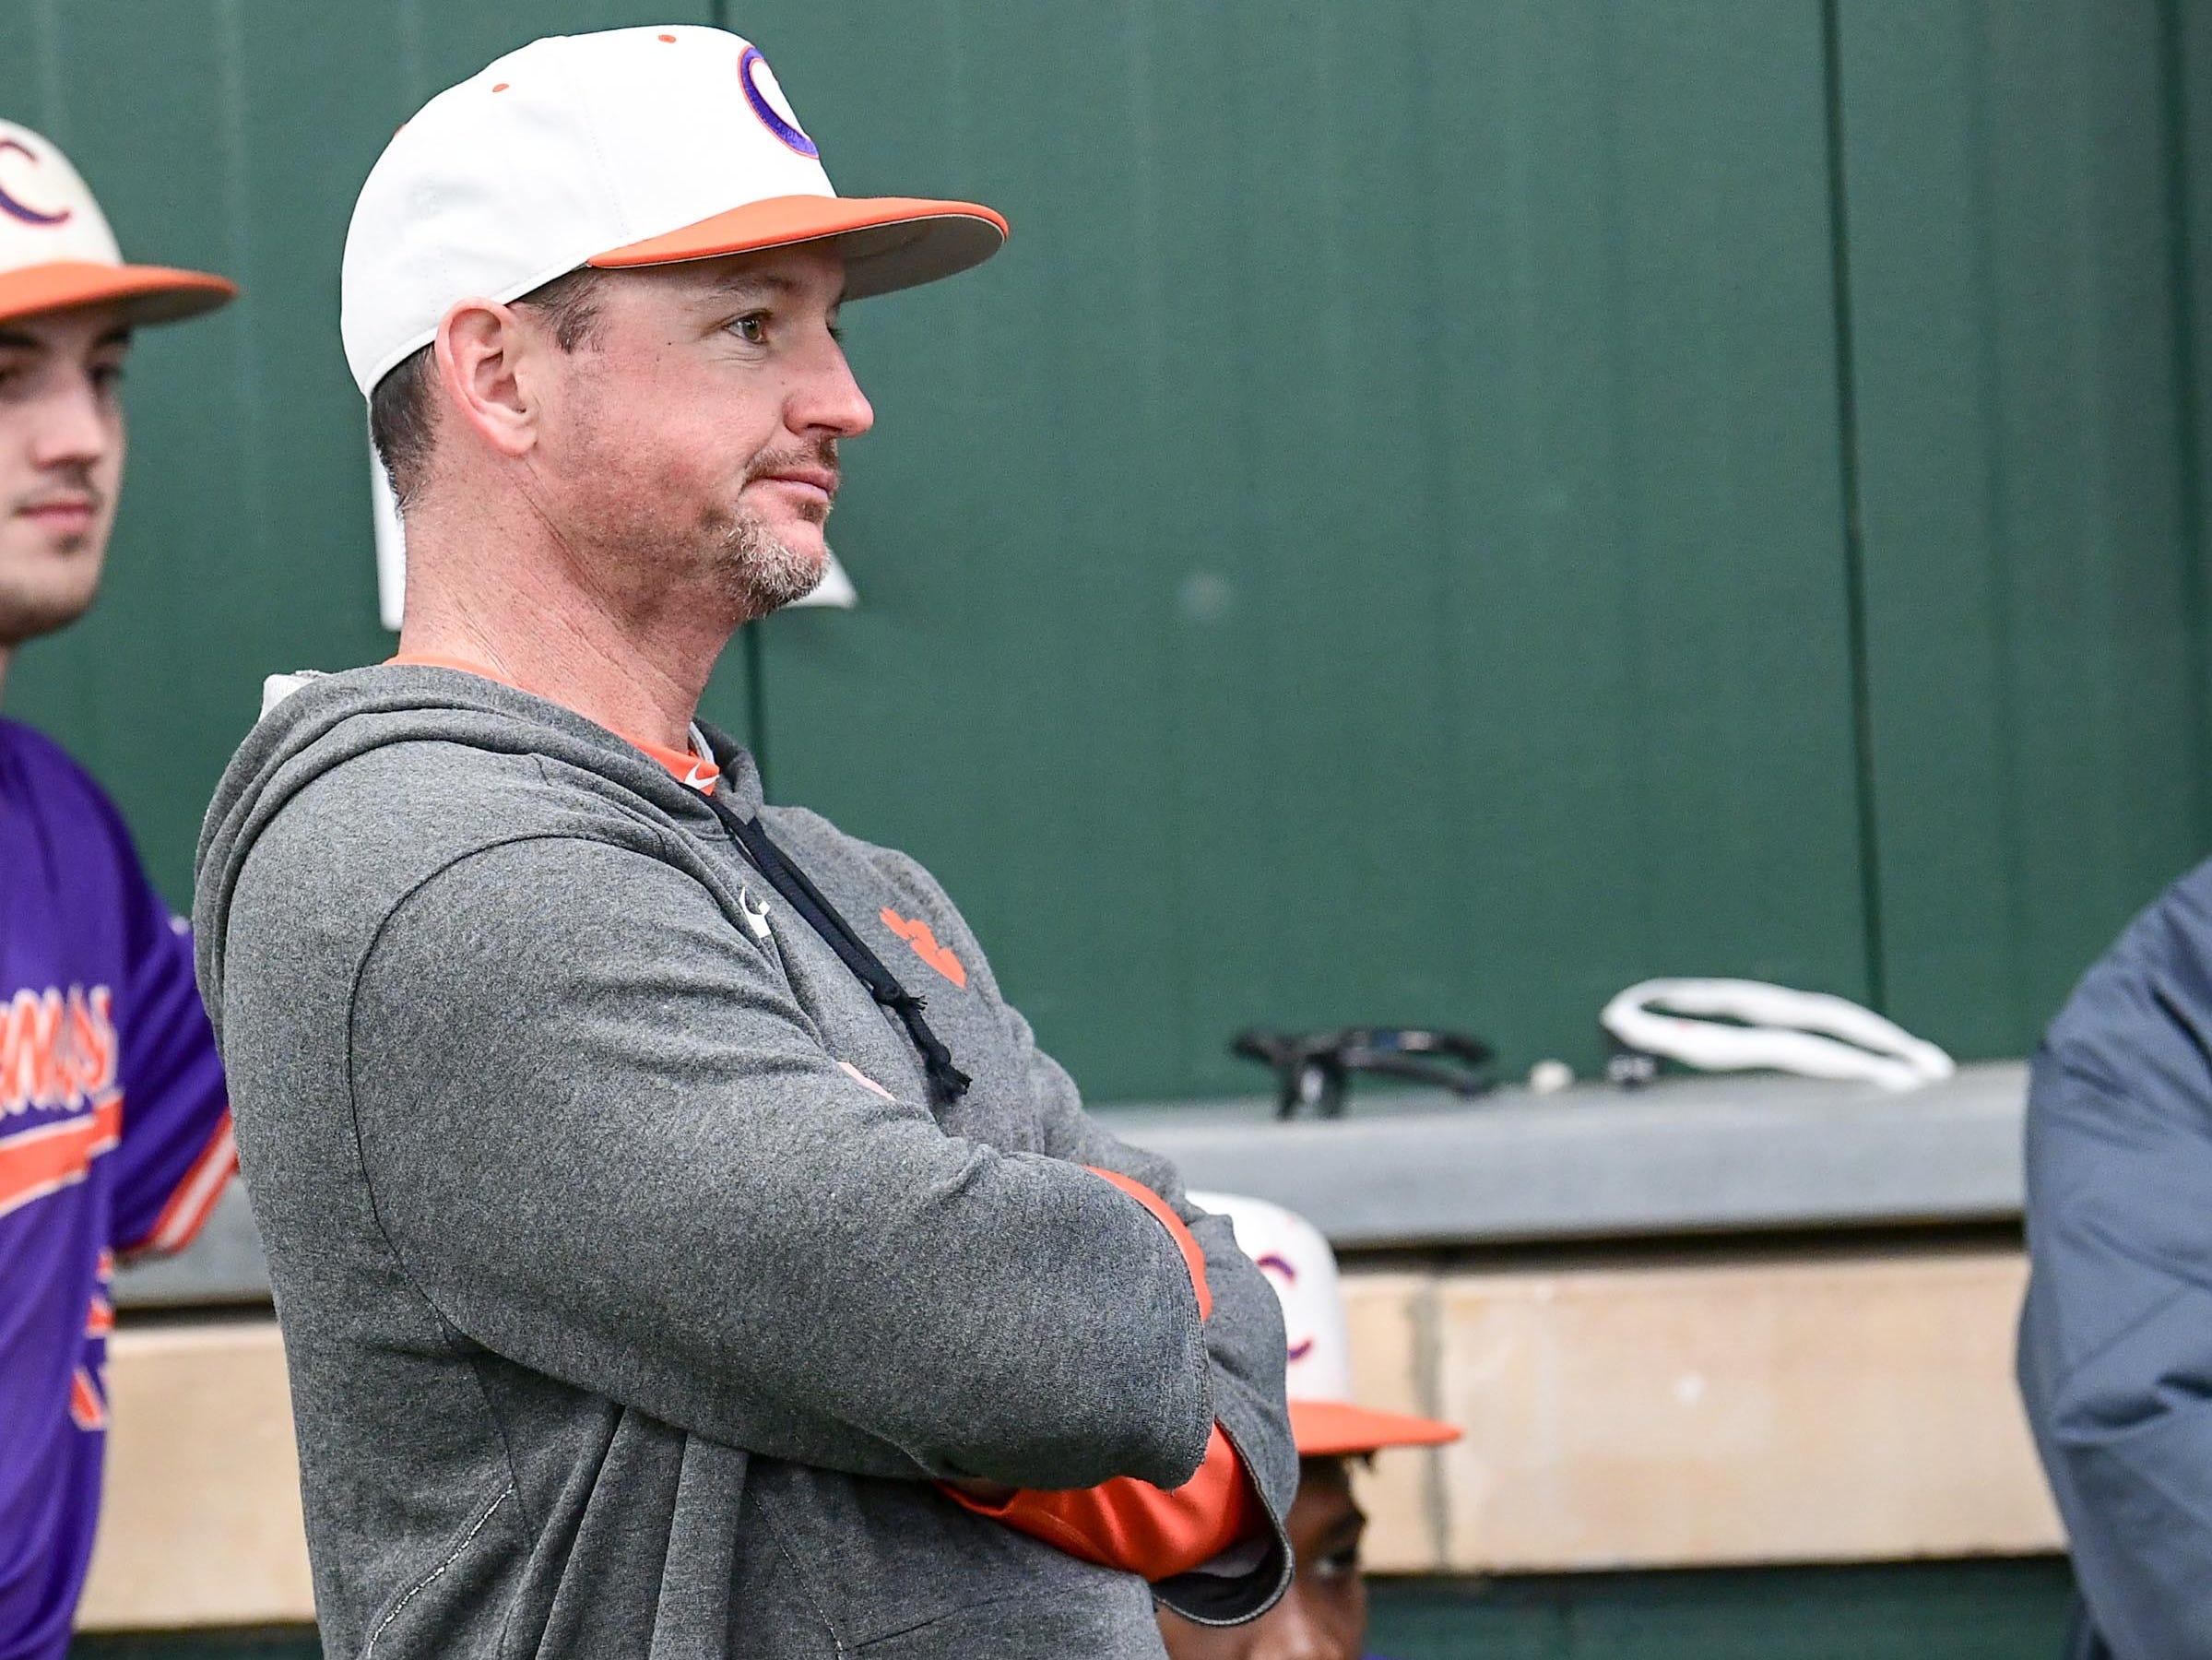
610	1145
1214	1546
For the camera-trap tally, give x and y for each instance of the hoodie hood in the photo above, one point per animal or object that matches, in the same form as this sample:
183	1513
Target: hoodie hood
337	718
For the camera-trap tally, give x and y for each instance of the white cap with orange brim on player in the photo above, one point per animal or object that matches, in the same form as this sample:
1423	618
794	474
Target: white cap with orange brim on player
57	252
1324	1419
630	147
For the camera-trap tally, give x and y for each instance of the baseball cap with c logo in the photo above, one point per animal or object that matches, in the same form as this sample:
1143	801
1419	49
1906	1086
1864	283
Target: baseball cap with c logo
1325	1421
57	251
632	147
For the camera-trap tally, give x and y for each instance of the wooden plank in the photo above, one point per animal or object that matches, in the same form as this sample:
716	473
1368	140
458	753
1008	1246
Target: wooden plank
201	1523
1838	1409
1845	1408
1390	1318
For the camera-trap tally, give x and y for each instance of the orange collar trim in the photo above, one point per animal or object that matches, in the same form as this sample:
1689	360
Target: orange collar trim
683	765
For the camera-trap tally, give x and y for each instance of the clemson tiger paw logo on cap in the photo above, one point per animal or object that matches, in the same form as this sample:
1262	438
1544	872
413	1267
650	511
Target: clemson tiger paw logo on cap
770	104
16	206
57	250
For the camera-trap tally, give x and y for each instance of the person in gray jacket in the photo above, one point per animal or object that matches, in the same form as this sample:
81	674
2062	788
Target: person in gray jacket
660	1275
2116	1355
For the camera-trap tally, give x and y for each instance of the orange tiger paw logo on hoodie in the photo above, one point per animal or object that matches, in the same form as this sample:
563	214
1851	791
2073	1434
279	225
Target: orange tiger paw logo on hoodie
918	934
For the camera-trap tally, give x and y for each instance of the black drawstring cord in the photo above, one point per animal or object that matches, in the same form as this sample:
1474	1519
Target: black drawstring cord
947	1082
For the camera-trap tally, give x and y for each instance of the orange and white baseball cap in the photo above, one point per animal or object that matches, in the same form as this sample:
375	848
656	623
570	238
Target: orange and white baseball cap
632	147
57	251
1324	1419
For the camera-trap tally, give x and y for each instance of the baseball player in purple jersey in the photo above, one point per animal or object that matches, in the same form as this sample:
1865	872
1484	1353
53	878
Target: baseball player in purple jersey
114	1135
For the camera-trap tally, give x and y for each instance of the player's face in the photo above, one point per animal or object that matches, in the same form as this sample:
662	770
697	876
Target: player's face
1323	1616
61	460
696	438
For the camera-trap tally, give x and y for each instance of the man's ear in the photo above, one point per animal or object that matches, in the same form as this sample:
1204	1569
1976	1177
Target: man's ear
481	350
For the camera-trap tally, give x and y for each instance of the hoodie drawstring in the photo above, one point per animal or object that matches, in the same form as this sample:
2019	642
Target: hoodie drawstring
947	1082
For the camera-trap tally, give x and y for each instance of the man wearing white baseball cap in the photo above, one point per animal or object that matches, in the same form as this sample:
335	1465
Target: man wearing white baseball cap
658	1277
1324	1613
114	1137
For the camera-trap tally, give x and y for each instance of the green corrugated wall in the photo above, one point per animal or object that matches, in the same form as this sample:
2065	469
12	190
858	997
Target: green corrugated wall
1445	507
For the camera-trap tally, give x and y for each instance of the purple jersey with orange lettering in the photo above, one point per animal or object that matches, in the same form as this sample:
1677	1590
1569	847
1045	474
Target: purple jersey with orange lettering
114	1138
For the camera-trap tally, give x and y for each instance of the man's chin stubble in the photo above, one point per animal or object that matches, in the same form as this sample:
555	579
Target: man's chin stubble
762	572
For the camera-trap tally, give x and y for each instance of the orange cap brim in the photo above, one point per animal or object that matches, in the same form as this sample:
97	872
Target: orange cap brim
1340	1430
146	293
889	242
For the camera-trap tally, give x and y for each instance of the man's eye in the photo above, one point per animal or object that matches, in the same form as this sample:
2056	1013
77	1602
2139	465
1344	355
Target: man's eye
753	330
107	377
1338	1565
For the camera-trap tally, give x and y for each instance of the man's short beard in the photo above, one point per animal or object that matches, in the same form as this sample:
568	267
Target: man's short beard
725	556
759	572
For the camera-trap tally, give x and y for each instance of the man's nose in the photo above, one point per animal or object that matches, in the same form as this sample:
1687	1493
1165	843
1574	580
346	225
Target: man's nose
1289	1631
72	427
829	399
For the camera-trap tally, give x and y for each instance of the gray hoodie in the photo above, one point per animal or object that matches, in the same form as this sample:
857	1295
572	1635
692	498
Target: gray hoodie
623	1319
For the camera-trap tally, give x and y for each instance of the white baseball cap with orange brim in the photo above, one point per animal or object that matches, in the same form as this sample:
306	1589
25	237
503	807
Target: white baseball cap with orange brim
1325	1421
57	252
631	146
